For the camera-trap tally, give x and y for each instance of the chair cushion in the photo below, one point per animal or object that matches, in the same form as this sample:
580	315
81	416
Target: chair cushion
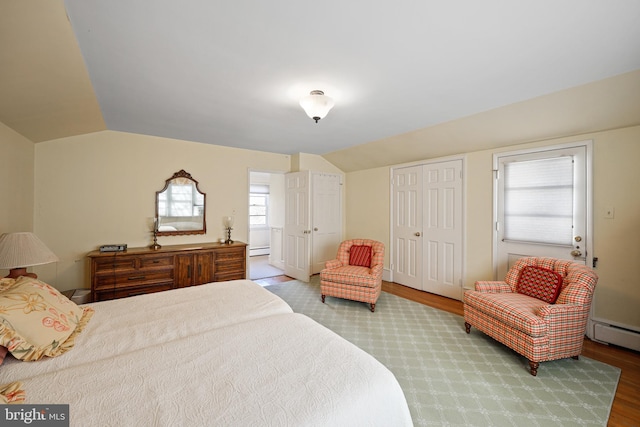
541	283
360	255
515	310
350	275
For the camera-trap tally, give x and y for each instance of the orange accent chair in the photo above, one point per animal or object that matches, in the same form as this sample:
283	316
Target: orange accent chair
540	310
356	273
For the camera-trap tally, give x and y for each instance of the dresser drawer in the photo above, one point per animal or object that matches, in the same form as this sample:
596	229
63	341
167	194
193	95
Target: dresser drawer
103	295
114	263
138	278
230	265
231	275
232	254
109	265
156	262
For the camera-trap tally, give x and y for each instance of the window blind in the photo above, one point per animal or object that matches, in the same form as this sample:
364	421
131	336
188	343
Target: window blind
538	201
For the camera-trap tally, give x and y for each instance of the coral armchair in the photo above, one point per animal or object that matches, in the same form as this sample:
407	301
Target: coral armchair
540	310
356	273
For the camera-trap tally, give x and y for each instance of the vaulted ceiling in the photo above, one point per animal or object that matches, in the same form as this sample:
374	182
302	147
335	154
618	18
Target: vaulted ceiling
232	72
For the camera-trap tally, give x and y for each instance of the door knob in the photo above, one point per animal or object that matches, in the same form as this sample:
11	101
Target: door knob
576	253
417	234
315	229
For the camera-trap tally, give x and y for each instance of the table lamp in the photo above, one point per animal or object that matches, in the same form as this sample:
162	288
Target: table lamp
21	250
228	223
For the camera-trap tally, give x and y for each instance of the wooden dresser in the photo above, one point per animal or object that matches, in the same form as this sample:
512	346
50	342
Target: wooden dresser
142	270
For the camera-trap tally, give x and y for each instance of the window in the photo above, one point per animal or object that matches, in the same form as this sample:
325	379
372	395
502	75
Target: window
259	206
538	200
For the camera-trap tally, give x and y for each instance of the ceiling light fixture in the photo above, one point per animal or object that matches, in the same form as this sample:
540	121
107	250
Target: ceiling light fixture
316	104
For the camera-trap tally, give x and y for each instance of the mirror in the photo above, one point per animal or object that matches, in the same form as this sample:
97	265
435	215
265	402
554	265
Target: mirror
180	207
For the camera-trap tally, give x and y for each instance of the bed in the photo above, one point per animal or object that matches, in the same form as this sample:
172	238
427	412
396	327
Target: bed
224	353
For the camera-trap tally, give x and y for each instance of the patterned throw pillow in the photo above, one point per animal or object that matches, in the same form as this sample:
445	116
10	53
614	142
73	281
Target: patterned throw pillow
541	283
36	320
360	255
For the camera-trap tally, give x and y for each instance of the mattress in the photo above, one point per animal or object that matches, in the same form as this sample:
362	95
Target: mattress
128	324
229	354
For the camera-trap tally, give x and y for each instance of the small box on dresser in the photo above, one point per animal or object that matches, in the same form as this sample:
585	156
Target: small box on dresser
142	270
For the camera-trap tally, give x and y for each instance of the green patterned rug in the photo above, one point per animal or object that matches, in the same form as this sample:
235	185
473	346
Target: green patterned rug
456	379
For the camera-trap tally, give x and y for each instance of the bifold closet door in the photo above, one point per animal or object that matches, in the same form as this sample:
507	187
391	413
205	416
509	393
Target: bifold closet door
427	227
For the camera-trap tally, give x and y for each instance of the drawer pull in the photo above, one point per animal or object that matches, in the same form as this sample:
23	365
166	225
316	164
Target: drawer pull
135	278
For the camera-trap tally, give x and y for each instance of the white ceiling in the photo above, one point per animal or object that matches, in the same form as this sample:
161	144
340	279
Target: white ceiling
231	72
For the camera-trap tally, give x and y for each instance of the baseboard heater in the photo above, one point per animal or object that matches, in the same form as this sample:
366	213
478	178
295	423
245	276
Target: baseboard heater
259	250
615	335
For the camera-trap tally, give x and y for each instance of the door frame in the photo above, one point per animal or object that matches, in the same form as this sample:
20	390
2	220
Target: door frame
588	145
463	159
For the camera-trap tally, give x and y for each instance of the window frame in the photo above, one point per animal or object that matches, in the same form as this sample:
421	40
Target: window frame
266	211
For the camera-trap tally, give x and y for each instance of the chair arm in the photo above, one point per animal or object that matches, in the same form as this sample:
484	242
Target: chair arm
334	263
546	312
492	287
575	294
376	270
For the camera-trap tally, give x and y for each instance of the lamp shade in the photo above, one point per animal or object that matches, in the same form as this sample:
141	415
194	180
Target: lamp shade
228	221
23	249
316	104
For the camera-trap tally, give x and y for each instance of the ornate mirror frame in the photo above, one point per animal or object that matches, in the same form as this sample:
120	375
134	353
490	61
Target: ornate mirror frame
189	211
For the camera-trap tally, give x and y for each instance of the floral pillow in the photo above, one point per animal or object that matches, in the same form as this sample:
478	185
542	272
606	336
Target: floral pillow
37	321
4	284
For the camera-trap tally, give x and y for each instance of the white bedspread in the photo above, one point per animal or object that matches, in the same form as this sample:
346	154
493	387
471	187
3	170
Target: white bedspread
267	366
128	324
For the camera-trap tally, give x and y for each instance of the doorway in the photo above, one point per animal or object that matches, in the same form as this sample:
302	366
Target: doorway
266	219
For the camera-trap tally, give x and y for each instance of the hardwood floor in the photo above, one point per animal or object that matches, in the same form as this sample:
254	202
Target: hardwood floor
625	410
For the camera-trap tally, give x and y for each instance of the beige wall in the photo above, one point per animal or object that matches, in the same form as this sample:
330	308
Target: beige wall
16	183
616	177
100	188
367	206
312	162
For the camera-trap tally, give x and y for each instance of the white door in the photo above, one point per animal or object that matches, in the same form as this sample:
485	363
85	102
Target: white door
542	204
442	229
297	230
326	218
407	226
